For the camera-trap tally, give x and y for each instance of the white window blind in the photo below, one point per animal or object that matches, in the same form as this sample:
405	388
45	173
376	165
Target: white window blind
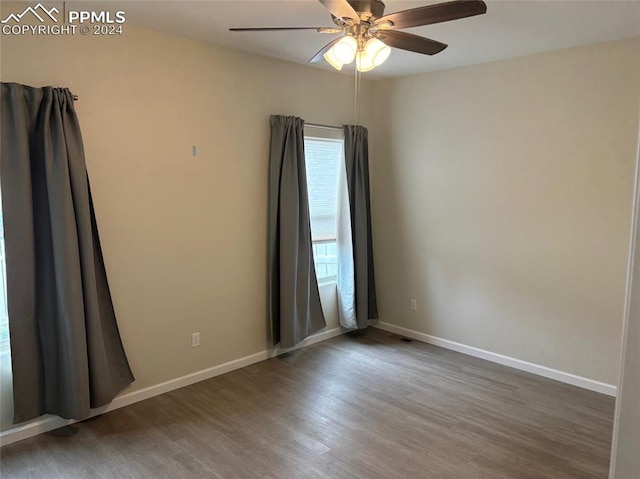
322	162
4	318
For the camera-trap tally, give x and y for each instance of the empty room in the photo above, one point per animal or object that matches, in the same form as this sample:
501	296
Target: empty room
320	239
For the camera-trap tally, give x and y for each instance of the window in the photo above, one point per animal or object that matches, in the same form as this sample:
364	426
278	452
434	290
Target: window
6	376
323	157
4	317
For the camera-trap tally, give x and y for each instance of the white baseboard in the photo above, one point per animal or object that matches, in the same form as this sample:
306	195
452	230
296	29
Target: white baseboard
586	383
48	422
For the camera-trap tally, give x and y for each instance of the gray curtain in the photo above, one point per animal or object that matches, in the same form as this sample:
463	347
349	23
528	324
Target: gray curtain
294	300
66	351
356	150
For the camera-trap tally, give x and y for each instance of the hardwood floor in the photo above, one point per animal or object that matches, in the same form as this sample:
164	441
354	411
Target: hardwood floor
368	406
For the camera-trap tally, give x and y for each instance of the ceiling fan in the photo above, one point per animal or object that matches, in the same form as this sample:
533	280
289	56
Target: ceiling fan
367	34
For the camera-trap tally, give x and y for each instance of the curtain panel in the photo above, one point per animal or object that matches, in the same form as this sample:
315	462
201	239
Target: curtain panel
66	351
356	147
295	311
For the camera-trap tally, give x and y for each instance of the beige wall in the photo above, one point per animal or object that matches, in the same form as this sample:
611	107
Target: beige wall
502	197
184	238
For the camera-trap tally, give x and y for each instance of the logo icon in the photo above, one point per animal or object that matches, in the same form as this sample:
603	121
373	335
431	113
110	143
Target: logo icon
34	11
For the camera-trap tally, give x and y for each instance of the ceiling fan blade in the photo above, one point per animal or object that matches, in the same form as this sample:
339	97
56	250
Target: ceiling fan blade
318	57
341	9
274	29
441	12
410	42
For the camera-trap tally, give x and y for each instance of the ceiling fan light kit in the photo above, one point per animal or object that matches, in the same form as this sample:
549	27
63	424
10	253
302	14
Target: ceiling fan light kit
377	51
364	63
342	53
373	54
330	58
368	34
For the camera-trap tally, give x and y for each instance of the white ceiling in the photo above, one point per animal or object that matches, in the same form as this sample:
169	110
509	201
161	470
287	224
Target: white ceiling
508	29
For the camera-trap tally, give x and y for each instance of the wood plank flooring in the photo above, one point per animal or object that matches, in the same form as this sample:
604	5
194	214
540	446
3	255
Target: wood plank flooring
357	406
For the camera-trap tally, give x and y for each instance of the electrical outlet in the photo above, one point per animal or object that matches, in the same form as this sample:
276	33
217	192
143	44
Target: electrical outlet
195	340
414	305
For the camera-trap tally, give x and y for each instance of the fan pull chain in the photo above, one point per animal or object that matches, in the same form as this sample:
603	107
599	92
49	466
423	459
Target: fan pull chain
356	107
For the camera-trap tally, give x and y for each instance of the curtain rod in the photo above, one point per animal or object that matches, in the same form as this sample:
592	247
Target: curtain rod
324	127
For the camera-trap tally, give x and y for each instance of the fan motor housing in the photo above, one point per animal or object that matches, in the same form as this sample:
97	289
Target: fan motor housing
368	8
